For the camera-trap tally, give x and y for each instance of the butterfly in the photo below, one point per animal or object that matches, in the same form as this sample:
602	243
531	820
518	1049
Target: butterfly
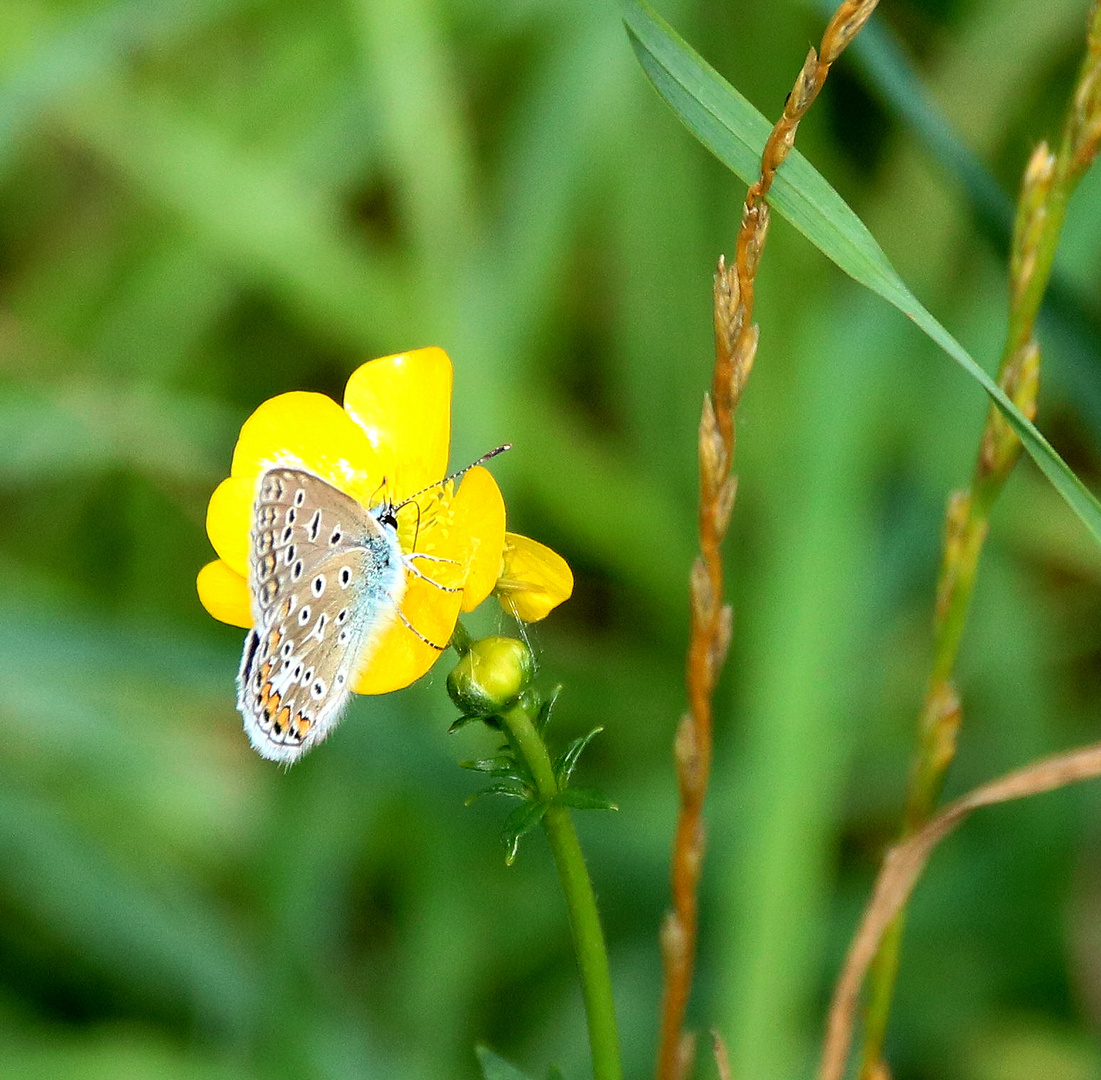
326	577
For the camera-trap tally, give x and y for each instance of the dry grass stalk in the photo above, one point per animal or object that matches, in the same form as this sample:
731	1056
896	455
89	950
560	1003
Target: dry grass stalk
711	620
903	866
722	1062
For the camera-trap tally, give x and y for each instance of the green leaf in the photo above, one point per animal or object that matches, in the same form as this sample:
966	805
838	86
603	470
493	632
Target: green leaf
512	791
554	1073
495	1067
580	798
462	722
523	819
503	765
735	132
567	761
545	710
889	74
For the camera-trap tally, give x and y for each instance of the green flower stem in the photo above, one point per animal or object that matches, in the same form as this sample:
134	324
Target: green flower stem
461	639
1041	211
588	937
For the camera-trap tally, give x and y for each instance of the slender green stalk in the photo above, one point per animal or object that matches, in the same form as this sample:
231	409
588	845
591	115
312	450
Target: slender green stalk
1046	188
588	937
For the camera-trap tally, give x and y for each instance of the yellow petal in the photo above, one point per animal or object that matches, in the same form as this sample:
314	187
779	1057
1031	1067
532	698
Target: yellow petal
479	512
403	404
309	431
534	579
229	520
400	657
224	593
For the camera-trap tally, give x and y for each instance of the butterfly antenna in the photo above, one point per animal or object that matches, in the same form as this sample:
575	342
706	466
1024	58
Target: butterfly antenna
454	476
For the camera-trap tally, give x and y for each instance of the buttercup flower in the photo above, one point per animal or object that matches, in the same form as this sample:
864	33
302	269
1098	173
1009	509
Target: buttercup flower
388	444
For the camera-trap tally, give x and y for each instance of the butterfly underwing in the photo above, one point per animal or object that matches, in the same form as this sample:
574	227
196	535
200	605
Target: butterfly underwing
325	578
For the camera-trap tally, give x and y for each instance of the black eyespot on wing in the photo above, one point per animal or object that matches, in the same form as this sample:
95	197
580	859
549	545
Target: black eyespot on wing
252	643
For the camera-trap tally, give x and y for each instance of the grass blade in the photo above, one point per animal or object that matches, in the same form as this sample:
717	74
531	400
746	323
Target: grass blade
734	131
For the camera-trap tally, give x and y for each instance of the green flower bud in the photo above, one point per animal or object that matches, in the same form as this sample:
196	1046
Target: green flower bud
490	675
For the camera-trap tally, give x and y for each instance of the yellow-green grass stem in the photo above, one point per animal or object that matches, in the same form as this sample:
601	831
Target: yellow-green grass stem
1040	215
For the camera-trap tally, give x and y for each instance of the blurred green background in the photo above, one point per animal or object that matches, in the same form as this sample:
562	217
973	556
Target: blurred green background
204	203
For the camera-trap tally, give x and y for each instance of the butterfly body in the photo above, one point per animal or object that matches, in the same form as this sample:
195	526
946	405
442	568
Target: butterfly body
326	577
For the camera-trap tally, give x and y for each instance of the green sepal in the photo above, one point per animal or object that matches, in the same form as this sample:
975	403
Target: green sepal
542	718
567	760
494	1067
523	819
511	791
580	798
468	718
504	765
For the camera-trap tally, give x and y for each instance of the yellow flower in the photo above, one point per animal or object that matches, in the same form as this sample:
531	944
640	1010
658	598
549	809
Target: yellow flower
387	445
533	580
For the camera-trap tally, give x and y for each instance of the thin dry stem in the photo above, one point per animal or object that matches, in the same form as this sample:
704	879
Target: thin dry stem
722	1062
736	340
900	872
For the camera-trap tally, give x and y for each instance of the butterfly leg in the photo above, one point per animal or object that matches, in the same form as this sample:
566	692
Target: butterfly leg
431	558
408	559
412	629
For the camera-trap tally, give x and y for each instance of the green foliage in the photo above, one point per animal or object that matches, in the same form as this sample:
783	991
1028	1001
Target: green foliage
205	203
515	780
